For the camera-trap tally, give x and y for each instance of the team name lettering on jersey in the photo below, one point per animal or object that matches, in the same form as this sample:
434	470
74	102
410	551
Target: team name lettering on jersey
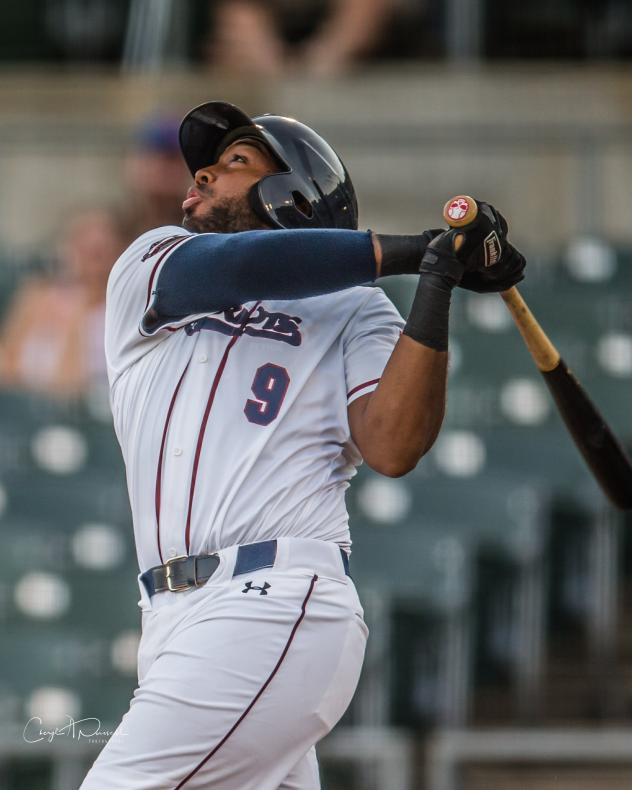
262	323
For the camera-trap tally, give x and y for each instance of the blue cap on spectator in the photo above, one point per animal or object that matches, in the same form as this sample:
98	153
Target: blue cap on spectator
159	133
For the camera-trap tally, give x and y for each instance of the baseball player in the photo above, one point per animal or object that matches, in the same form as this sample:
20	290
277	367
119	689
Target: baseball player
251	371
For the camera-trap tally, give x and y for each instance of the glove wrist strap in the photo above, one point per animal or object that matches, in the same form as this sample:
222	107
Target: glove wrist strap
428	319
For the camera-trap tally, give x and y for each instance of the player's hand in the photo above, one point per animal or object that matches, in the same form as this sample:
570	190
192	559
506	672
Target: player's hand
484	238
441	258
500	277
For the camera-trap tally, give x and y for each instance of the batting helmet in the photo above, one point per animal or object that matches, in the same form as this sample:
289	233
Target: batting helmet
312	188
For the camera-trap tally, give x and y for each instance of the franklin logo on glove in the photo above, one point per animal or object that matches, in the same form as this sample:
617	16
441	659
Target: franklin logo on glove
493	249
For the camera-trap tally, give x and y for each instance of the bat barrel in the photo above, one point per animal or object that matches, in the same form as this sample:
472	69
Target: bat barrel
600	448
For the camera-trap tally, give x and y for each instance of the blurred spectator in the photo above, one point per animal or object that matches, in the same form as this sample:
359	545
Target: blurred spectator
52	338
248	35
156	178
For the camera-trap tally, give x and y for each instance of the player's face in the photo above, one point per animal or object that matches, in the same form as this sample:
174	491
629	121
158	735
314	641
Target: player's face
219	200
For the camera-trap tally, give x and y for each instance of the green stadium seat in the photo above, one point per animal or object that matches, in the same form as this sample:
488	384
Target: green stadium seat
424	564
45	656
66	502
545	455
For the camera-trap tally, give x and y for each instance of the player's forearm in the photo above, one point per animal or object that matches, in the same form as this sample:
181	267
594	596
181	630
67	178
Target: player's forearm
399	422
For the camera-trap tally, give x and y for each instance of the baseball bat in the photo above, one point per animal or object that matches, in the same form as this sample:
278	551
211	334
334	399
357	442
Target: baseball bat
594	438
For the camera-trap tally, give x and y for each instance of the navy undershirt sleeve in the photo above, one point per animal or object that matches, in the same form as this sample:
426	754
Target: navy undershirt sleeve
214	271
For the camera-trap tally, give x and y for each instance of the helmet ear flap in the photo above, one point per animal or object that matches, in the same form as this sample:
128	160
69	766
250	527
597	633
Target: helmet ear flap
254	199
281	201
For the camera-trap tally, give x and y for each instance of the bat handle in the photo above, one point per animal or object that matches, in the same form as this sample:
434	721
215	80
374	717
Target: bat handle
544	353
461	211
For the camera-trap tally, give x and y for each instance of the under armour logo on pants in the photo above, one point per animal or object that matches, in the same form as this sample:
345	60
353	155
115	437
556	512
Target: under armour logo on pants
262	590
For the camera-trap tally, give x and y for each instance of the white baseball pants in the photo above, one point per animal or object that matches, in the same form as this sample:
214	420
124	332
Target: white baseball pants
238	680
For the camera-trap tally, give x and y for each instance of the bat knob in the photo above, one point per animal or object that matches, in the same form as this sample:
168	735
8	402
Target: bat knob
459	211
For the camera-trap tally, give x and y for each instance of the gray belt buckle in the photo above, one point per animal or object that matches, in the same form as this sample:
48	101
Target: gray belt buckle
172	587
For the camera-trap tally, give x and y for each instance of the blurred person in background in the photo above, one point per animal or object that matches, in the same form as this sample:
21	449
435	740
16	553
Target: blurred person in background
155	177
52	338
251	36
248	37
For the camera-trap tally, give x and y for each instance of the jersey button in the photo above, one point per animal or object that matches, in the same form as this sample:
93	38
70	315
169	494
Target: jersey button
172	552
177	451
202	358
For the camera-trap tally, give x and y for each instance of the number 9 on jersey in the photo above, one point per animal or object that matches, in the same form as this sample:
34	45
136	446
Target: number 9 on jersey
269	387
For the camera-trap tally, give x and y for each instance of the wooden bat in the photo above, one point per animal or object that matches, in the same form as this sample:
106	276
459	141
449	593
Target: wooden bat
603	453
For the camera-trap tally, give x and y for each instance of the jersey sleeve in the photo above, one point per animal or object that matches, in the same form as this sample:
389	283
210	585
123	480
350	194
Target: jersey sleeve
129	291
368	343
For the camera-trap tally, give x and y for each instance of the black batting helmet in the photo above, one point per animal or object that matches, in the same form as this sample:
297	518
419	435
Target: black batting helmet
312	188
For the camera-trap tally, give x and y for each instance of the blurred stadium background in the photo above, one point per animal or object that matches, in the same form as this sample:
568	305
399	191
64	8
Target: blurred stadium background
497	582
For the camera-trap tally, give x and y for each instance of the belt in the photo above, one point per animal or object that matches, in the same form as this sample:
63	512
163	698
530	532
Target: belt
186	572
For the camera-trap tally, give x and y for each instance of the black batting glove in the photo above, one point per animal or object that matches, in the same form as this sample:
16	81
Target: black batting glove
499	277
442	260
485	238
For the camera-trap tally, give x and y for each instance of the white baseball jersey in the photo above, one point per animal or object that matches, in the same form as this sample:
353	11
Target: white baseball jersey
233	425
